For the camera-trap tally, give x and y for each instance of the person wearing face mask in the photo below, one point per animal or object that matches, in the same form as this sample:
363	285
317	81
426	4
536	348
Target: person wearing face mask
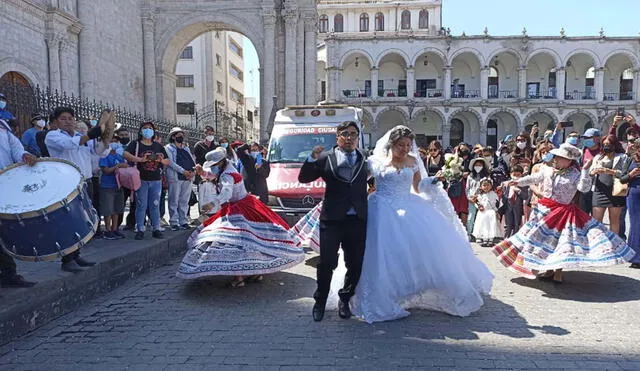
180	175
605	167
122	134
263	169
456	190
479	170
542	157
29	136
523	149
631	176
559	234
573	138
244	238
4	113
111	195
591	144
205	146
150	156
246	165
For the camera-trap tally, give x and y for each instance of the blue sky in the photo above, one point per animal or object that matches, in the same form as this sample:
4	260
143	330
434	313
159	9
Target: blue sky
508	17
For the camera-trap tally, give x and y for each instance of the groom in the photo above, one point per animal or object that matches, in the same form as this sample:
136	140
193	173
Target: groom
343	220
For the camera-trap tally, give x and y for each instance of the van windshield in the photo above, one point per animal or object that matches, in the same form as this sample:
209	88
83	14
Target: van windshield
295	145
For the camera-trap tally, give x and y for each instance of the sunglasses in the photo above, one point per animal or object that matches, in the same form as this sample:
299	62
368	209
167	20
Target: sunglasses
348	134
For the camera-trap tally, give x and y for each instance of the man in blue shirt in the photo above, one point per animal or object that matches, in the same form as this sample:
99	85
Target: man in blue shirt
4	114
29	136
111	195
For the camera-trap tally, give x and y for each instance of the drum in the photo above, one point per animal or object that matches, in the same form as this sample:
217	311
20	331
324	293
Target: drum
45	210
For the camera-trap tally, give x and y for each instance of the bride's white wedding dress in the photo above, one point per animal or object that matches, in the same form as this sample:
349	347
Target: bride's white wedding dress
417	253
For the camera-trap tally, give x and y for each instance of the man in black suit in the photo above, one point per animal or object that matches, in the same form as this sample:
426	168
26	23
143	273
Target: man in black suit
343	220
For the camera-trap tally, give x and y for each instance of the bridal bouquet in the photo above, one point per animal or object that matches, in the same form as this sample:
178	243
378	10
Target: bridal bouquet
452	170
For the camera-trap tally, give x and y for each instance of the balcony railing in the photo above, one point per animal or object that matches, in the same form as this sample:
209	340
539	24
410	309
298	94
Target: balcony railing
428	93
391	93
504	94
357	93
580	95
627	95
544	94
460	94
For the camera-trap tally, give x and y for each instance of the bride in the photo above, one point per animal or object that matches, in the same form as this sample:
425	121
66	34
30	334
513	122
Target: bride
417	252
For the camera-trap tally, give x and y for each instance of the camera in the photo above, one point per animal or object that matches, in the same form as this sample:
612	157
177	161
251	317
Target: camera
566	124
621	112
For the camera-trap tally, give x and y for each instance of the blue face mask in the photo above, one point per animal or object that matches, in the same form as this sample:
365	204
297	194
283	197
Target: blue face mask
147	133
588	143
224	145
547	157
255	154
115	146
3	104
573	141
93	123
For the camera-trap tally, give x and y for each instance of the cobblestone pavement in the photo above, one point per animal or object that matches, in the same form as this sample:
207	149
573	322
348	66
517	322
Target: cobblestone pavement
161	322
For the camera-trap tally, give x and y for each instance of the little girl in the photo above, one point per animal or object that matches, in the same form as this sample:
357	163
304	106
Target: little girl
486	227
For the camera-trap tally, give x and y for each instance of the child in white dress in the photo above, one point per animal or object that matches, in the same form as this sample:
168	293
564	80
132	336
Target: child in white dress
487	228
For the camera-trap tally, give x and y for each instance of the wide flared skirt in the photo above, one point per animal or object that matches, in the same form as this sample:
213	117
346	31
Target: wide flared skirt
243	238
559	236
308	228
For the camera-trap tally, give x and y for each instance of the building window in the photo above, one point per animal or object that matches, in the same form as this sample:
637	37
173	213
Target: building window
187	53
219	87
235	72
406	20
423	22
218	60
217	34
379	22
184	108
338	23
249	115
236	96
184	81
323	24
235	47
364	22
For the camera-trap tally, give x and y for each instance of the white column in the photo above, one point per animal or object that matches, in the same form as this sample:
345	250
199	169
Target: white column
310	58
484	82
300	35
291	24
599	84
332	87
87	44
374	81
561	77
168	97
411	82
636	85
447	82
148	50
267	73
522	82
446	134
65	71
53	45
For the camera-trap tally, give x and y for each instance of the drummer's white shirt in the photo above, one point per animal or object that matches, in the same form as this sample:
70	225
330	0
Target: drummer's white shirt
62	145
11	149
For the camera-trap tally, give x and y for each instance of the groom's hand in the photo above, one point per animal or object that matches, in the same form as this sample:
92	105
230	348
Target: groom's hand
317	150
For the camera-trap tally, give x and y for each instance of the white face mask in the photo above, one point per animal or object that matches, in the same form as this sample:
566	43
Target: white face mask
40	123
521	145
478	168
210	138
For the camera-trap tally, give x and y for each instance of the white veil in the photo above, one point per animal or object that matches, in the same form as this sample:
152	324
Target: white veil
430	188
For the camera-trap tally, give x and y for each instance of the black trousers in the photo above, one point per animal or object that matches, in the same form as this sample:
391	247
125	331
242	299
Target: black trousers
7	265
76	254
512	221
586	202
351	233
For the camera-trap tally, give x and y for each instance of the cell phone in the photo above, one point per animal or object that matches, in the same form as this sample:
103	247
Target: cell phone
566	124
621	111
152	157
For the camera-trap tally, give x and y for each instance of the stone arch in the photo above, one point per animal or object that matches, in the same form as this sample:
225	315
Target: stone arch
467	109
473	51
401	53
405	115
436	51
504	110
471	133
356	51
632	57
554	55
594	56
553	116
593	117
496	52
11	64
429	109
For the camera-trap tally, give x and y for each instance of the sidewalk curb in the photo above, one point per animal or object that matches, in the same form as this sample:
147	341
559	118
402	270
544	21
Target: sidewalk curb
66	292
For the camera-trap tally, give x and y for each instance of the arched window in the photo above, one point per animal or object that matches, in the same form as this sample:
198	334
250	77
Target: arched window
379	22
323	24
493	82
423	21
456	135
405	20
492	133
338	23
364	22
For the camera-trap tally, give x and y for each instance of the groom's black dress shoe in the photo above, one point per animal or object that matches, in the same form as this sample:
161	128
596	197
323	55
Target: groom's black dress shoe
343	309
318	312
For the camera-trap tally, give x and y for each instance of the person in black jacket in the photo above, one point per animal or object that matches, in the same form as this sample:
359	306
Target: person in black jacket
263	169
343	219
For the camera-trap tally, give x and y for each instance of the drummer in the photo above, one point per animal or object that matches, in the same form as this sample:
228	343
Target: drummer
11	152
68	144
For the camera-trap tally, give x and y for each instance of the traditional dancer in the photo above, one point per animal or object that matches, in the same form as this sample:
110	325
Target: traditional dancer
243	238
559	234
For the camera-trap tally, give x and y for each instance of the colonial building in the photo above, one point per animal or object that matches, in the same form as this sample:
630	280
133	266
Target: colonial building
397	62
